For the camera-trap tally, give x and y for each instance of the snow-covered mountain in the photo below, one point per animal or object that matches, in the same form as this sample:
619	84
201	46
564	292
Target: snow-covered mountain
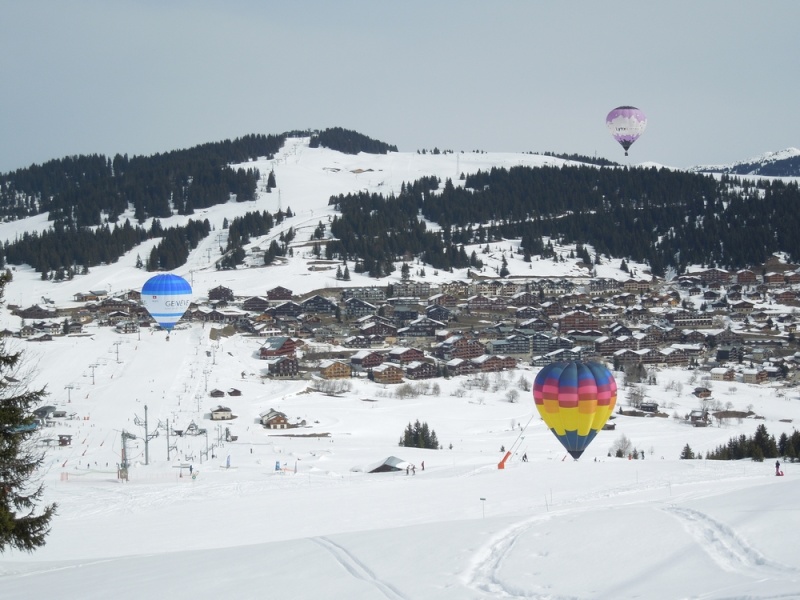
784	163
271	515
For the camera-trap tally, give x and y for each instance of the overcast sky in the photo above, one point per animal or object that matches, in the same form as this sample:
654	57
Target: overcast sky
718	80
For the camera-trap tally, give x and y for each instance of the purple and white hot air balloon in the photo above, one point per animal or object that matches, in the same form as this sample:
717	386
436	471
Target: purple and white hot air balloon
626	124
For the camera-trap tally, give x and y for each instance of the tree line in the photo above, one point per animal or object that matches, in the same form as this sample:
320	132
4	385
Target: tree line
667	219
90	190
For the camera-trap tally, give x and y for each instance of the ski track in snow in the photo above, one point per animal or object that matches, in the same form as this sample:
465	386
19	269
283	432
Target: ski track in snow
729	551
484	576
358	569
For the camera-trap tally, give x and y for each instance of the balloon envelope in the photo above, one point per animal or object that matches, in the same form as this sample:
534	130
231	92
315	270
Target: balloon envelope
626	124
166	297
575	400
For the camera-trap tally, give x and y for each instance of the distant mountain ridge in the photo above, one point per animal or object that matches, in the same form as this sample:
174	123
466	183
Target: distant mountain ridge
784	163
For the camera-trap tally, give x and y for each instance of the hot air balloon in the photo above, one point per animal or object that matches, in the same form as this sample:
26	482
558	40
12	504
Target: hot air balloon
575	400
626	124
166	297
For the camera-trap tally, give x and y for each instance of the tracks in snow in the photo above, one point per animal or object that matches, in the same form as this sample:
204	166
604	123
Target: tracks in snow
729	551
358	569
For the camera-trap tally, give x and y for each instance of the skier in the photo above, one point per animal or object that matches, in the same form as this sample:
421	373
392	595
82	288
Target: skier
778	468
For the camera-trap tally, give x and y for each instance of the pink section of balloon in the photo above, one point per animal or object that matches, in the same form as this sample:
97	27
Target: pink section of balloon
626	124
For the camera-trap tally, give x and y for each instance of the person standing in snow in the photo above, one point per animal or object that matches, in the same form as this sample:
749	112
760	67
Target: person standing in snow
777	467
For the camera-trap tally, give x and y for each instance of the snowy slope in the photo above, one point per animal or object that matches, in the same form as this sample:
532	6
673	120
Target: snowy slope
318	526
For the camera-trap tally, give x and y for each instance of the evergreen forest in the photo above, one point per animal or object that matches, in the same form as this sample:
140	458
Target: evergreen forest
667	219
664	218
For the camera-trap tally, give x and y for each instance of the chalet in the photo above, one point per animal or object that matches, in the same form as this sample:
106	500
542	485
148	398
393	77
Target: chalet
421	370
378	327
459	366
334	369
702	392
711	275
282	367
255	304
722	374
459	289
744	307
526	312
273	419
277	346
636	286
215	393
370	294
387	373
403	313
358	307
364	360
76	327
279	294
534	324
286	309
493	363
221	413
577	319
774	279
234	392
412	289
220	293
479	303
439	313
318	304
756	376
540	342
403	356
421	327
458	346
746	277
127	327
117	316
793	278
363	341
37	312
698	418
447	300
649	407
565	355
514	344
551	309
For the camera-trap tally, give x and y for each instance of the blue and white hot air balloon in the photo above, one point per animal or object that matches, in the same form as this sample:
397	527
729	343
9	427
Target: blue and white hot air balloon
166	297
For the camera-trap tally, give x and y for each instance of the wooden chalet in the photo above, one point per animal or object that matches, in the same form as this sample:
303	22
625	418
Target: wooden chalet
282	367
220	293
387	373
277	346
279	293
364	360
334	369
274	419
421	370
402	355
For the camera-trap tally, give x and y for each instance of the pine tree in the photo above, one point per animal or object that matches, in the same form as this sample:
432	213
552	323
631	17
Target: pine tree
687	452
22	526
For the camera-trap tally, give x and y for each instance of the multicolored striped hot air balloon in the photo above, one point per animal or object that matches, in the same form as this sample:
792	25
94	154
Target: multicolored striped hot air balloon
166	297
626	124
575	400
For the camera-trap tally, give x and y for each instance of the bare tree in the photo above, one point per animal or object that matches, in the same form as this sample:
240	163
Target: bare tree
622	446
